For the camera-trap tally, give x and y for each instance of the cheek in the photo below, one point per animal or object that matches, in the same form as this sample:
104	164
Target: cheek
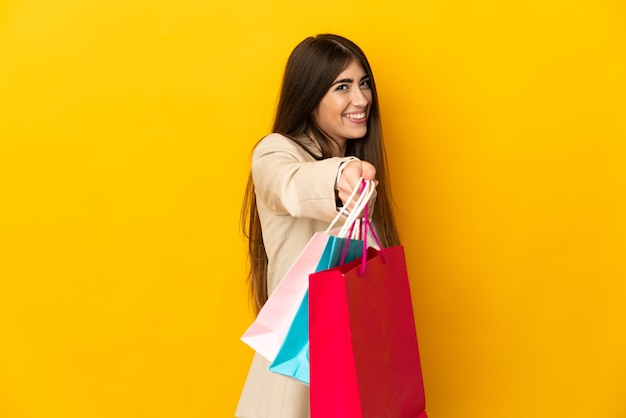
331	109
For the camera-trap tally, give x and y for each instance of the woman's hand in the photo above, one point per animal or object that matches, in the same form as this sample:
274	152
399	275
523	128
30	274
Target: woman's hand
352	173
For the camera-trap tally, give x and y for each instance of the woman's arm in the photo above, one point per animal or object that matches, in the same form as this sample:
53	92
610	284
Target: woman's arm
288	184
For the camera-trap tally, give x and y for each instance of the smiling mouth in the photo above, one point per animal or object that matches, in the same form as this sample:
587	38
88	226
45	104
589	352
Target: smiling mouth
355	116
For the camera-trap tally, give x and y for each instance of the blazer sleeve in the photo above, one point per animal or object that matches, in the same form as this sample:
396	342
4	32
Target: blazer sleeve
288	183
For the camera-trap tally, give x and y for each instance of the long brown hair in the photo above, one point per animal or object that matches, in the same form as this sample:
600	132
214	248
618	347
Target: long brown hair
311	69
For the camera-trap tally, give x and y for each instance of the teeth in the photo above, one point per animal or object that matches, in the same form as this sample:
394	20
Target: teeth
355	115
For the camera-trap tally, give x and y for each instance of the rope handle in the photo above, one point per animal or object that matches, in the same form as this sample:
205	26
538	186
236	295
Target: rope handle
368	225
364	226
343	211
367	192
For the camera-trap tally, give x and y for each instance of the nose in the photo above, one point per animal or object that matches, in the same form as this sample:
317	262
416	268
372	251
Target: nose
358	98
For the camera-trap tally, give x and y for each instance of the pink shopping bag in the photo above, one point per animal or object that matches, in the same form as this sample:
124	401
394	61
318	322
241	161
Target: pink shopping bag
268	331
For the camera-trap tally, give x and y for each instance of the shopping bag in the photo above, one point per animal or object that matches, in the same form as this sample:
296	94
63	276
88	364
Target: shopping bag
364	357
268	331
292	359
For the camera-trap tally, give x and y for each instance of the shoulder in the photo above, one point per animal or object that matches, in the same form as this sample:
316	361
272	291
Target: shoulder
275	142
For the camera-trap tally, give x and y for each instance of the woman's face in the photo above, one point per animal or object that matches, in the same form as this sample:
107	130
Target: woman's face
342	113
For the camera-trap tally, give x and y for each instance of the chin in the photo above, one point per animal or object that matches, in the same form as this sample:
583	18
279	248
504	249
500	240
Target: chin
359	136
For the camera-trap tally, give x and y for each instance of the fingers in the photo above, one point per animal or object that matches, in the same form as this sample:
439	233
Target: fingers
350	178
368	171
354	170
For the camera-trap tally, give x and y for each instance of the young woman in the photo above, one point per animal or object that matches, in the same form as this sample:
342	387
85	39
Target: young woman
326	136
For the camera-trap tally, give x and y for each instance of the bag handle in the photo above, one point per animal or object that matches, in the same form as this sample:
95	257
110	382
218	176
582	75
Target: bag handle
368	189
351	234
342	211
364	224
368	225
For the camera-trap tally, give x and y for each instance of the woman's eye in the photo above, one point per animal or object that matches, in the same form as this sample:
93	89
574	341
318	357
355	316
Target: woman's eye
365	84
342	87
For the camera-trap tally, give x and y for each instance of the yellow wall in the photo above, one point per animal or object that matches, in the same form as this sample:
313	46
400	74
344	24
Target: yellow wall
125	129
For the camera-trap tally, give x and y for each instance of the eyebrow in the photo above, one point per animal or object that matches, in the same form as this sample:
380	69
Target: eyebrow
349	80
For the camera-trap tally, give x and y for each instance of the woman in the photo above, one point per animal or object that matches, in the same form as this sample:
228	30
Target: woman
326	136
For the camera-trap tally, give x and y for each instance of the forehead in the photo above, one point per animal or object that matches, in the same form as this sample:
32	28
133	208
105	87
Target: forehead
352	70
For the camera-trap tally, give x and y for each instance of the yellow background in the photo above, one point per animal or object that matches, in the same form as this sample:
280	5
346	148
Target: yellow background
126	128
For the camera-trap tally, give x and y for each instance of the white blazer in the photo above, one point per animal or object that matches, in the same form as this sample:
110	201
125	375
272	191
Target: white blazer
295	198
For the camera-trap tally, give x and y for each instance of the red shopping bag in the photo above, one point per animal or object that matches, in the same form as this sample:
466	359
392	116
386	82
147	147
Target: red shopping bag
363	346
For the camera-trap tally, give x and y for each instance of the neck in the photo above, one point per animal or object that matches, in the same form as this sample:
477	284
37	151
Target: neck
338	147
